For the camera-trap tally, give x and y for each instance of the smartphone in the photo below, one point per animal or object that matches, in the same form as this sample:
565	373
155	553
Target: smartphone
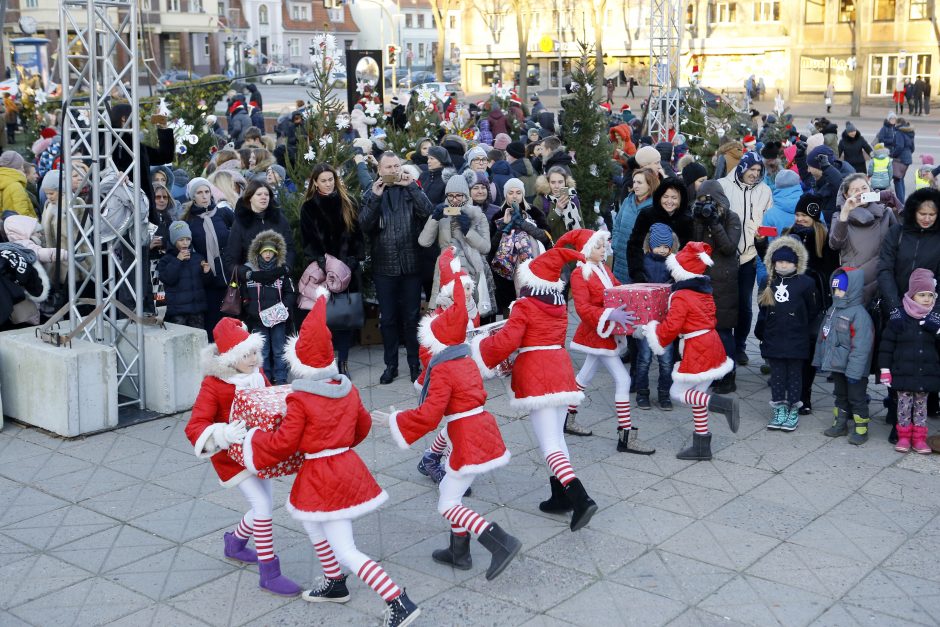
767	231
871	197
451	211
390	179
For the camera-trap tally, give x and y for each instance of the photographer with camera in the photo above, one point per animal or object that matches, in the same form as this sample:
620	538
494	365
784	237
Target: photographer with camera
557	198
670	207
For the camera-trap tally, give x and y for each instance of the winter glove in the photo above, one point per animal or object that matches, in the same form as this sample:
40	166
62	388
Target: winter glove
885	377
896	315
932	322
264	276
800	149
463	221
235	432
714	218
622	316
438	214
853	381
823	161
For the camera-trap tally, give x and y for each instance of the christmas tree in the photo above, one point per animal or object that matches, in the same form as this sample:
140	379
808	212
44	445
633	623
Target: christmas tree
422	121
704	128
584	129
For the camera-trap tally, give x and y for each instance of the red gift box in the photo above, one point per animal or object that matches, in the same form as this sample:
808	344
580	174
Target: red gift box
263	408
648	301
503	368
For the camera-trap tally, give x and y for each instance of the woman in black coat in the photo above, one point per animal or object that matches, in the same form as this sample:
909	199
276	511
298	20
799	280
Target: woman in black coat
329	225
433	180
673	211
210	225
720	228
255	211
854	149
915	243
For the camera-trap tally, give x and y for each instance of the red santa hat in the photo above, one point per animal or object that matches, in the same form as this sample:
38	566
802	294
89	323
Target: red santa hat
448	328
449	270
749	141
543	274
690	262
583	240
48	133
310	353
233	342
514	97
625	107
605	106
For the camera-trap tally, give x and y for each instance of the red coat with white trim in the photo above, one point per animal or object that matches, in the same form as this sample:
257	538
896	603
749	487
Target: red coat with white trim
691	310
456	387
593	335
321	416
540	378
424	355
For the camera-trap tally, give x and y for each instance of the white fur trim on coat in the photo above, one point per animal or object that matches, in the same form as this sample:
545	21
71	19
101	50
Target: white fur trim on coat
678	272
478	469
591	350
649	334
206	446
426	335
234	481
252	344
555	399
397	436
707	375
525	277
488	373
248	454
448	289
341	514
604	326
302	370
45	285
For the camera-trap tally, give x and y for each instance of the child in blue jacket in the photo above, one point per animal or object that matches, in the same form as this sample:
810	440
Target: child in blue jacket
185	275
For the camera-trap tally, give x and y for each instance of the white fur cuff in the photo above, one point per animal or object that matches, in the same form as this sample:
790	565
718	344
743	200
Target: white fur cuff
604	326
649	334
397	436
477	356
248	453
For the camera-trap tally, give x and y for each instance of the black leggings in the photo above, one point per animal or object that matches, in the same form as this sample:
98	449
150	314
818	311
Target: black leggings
786	380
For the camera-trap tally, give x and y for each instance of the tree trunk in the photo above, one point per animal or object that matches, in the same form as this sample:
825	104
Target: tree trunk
599	10
523	20
440	9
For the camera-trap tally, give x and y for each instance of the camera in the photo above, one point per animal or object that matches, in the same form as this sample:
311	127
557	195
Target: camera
705	207
572	192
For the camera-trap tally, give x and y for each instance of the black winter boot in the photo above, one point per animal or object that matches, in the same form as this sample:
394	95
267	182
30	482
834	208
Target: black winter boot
558	503
457	554
643	399
584	506
701	449
840	424
502	546
725	385
729	406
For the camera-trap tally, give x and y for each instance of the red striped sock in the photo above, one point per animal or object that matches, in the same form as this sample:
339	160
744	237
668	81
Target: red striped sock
561	467
245	527
327	560
439	445
694	397
573	409
264	539
467	518
457	531
623	413
375	577
700	417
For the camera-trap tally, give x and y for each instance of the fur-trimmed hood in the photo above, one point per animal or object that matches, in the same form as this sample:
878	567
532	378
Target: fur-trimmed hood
786	241
263	238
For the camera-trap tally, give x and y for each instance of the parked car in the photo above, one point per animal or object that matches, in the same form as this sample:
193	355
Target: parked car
310	79
286	76
442	89
172	77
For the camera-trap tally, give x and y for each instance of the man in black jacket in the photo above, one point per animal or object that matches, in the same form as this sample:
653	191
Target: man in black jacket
393	212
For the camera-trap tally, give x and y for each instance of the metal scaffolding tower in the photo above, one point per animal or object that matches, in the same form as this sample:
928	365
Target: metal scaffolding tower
666	27
98	63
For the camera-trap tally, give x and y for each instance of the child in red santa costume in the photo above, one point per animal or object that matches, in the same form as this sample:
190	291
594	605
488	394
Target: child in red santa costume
453	392
233	363
543	380
691	318
449	273
593	336
325	419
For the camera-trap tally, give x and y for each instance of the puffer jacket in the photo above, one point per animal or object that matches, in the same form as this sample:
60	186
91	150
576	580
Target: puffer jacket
858	241
260	294
245	229
499	123
789	307
622	230
782	214
522	169
393	221
846	336
680	221
13	194
854	149
434	183
185	283
903	149
20	230
723	237
911	354
907	247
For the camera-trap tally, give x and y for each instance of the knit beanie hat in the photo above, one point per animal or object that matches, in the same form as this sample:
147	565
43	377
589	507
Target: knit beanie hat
512	184
892	115
784	253
812	159
849	127
12	159
647	156
501	141
516	150
748	160
179	229
810	204
440	153
786	178
660	235
840	281
477	152
921	280
457	185
51	180
194	184
280	171
693	172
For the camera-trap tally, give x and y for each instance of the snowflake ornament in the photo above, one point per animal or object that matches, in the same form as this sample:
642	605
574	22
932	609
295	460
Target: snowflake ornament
342	121
326	140
163	108
373	109
83	116
425	95
593	169
362	85
40	97
310	155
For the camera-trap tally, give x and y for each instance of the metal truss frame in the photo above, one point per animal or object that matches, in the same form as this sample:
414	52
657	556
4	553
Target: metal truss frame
666	27
98	60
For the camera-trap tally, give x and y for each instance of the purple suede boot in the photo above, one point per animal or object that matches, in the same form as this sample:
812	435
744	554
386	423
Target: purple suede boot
273	581
237	549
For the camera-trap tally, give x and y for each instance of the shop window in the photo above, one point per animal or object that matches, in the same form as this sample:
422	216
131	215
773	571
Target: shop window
884	10
815	12
886	71
919	9
723	12
816	73
767	11
690	15
846	10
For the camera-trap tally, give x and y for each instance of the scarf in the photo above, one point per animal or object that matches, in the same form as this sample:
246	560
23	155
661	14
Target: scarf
267	265
247	380
785	274
548	297
212	239
448	354
915	310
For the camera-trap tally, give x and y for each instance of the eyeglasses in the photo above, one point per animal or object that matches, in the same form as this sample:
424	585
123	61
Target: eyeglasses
479	160
455	196
161	197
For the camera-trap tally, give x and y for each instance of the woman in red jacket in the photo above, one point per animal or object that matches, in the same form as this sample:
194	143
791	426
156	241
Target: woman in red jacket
325	420
233	363
593	335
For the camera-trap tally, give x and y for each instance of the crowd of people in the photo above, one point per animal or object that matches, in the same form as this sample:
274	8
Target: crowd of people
810	243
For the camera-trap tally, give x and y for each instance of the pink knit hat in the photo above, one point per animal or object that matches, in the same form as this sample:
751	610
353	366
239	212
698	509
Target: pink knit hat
922	280
502	140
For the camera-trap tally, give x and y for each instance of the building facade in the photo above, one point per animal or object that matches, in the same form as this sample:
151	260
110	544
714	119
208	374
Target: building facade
410	25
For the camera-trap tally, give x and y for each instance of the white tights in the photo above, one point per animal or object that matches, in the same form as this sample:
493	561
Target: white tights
339	534
618	372
451	490
260	496
549	426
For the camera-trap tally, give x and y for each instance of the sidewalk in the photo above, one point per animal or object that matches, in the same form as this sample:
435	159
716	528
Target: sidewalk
126	527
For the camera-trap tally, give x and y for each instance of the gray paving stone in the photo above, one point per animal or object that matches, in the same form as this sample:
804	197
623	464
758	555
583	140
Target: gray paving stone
87	483
852	539
472	608
34	576
157	616
721	545
845	615
673	576
723	476
589	551
135	500
22	503
110	549
760	602
764	517
7	619
12	550
169	572
234	599
608	603
188	520
302	614
909	598
810	569
640	523
695	617
533	584
884	513
59	527
682	498
90	602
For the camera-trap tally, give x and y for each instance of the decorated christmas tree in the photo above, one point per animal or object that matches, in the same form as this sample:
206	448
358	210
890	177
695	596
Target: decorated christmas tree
705	128
584	131
423	120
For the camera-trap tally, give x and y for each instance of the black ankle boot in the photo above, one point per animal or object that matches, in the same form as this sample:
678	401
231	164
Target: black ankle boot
502	546
457	554
389	375
729	406
701	449
584	506
343	368
558	503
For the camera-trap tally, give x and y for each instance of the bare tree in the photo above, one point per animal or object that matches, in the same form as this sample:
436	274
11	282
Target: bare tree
598	13
523	10
493	13
441	9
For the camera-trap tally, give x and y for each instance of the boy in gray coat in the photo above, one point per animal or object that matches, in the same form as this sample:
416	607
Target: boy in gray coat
844	348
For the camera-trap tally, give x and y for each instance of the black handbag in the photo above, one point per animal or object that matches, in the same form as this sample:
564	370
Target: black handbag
344	311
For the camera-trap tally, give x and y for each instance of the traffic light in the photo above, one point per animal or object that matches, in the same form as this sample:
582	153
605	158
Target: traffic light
391	55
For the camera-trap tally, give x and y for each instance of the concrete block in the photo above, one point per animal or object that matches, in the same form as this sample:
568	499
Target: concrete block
172	367
68	391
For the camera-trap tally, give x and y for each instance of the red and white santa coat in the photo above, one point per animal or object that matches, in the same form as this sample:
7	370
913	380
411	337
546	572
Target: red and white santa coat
325	419
424	354
542	375
455	396
691	317
593	335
